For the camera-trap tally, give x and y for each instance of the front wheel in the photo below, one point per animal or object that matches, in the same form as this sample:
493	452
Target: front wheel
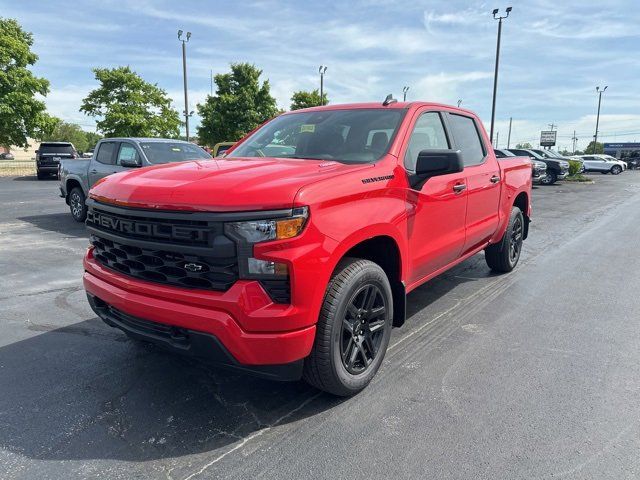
616	170
77	204
353	330
550	178
503	256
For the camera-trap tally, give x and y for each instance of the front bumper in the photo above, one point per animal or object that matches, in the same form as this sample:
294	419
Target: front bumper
249	328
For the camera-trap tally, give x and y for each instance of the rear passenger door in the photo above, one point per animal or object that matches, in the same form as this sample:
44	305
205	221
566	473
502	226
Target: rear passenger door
103	162
482	179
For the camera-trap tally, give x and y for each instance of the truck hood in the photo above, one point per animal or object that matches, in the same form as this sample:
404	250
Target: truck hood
236	184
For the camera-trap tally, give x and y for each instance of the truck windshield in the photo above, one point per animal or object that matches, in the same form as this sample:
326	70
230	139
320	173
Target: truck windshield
168	152
348	136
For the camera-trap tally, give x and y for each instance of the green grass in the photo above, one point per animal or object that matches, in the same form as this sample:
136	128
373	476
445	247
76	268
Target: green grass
579	178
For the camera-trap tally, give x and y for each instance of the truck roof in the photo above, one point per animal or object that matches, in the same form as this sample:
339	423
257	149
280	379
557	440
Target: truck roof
394	105
147	139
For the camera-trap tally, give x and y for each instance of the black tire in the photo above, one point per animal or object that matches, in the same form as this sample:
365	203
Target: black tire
616	170
77	204
347	351
550	178
503	256
40	175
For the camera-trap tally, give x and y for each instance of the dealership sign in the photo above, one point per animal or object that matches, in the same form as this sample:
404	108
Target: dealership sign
548	138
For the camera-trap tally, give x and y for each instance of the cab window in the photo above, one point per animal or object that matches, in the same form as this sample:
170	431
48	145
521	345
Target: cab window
428	133
127	152
467	138
105	153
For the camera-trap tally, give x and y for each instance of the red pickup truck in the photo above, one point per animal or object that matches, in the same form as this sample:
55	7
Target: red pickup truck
293	256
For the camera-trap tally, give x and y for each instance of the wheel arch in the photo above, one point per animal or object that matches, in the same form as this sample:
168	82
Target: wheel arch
70	184
385	251
522	202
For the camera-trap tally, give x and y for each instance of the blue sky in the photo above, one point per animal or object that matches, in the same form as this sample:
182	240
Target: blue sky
554	53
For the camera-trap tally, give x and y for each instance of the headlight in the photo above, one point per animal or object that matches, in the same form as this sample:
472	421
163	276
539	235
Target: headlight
256	231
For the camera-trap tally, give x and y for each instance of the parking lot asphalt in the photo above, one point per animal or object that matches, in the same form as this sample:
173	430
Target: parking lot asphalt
534	374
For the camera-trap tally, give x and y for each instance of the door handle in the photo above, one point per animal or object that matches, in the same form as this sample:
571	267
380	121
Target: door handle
93	171
460	187
495	179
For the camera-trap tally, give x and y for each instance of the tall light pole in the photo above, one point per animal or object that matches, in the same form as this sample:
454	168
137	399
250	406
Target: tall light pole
184	76
509	136
404	93
322	70
595	137
495	75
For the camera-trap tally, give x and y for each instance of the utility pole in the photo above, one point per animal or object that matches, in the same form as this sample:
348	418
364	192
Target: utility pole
575	140
509	136
495	75
595	137
551	126
404	93
322	70
184	76
497	138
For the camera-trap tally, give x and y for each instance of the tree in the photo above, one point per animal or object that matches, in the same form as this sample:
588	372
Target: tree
304	99
21	114
130	107
594	148
240	104
92	139
68	132
524	145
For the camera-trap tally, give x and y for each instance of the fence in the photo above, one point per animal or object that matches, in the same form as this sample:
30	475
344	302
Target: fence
17	168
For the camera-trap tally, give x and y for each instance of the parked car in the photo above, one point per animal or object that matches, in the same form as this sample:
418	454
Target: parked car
220	148
624	164
553	155
557	169
88	154
49	155
602	164
7	156
299	266
117	155
538	168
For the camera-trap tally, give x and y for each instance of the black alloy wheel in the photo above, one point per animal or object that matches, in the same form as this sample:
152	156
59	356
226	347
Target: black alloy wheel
362	329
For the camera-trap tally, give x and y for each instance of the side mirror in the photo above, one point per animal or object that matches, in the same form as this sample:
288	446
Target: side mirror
37	151
435	162
130	162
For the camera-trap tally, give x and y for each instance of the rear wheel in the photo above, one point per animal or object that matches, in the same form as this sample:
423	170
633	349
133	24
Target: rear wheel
353	330
41	175
77	204
503	256
616	170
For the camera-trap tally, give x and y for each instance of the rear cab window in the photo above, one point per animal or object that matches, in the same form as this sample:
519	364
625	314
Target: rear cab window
467	139
127	152
105	153
53	149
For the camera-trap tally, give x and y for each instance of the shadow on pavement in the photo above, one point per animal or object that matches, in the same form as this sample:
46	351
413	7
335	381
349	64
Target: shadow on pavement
86	391
33	178
57	222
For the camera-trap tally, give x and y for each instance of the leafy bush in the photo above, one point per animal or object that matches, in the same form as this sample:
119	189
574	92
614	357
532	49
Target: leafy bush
574	167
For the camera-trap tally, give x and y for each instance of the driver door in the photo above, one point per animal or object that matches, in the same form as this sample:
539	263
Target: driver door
436	209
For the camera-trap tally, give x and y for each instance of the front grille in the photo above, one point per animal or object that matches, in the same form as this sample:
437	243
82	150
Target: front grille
175	231
166	267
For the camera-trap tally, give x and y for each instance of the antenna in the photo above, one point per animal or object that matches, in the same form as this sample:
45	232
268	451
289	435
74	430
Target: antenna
389	100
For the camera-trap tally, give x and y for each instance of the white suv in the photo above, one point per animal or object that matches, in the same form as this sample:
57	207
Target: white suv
603	164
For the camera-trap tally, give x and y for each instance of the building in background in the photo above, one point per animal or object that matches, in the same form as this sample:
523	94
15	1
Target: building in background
622	150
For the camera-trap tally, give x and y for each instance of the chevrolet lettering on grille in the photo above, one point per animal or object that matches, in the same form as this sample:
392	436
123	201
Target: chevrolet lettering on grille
157	230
